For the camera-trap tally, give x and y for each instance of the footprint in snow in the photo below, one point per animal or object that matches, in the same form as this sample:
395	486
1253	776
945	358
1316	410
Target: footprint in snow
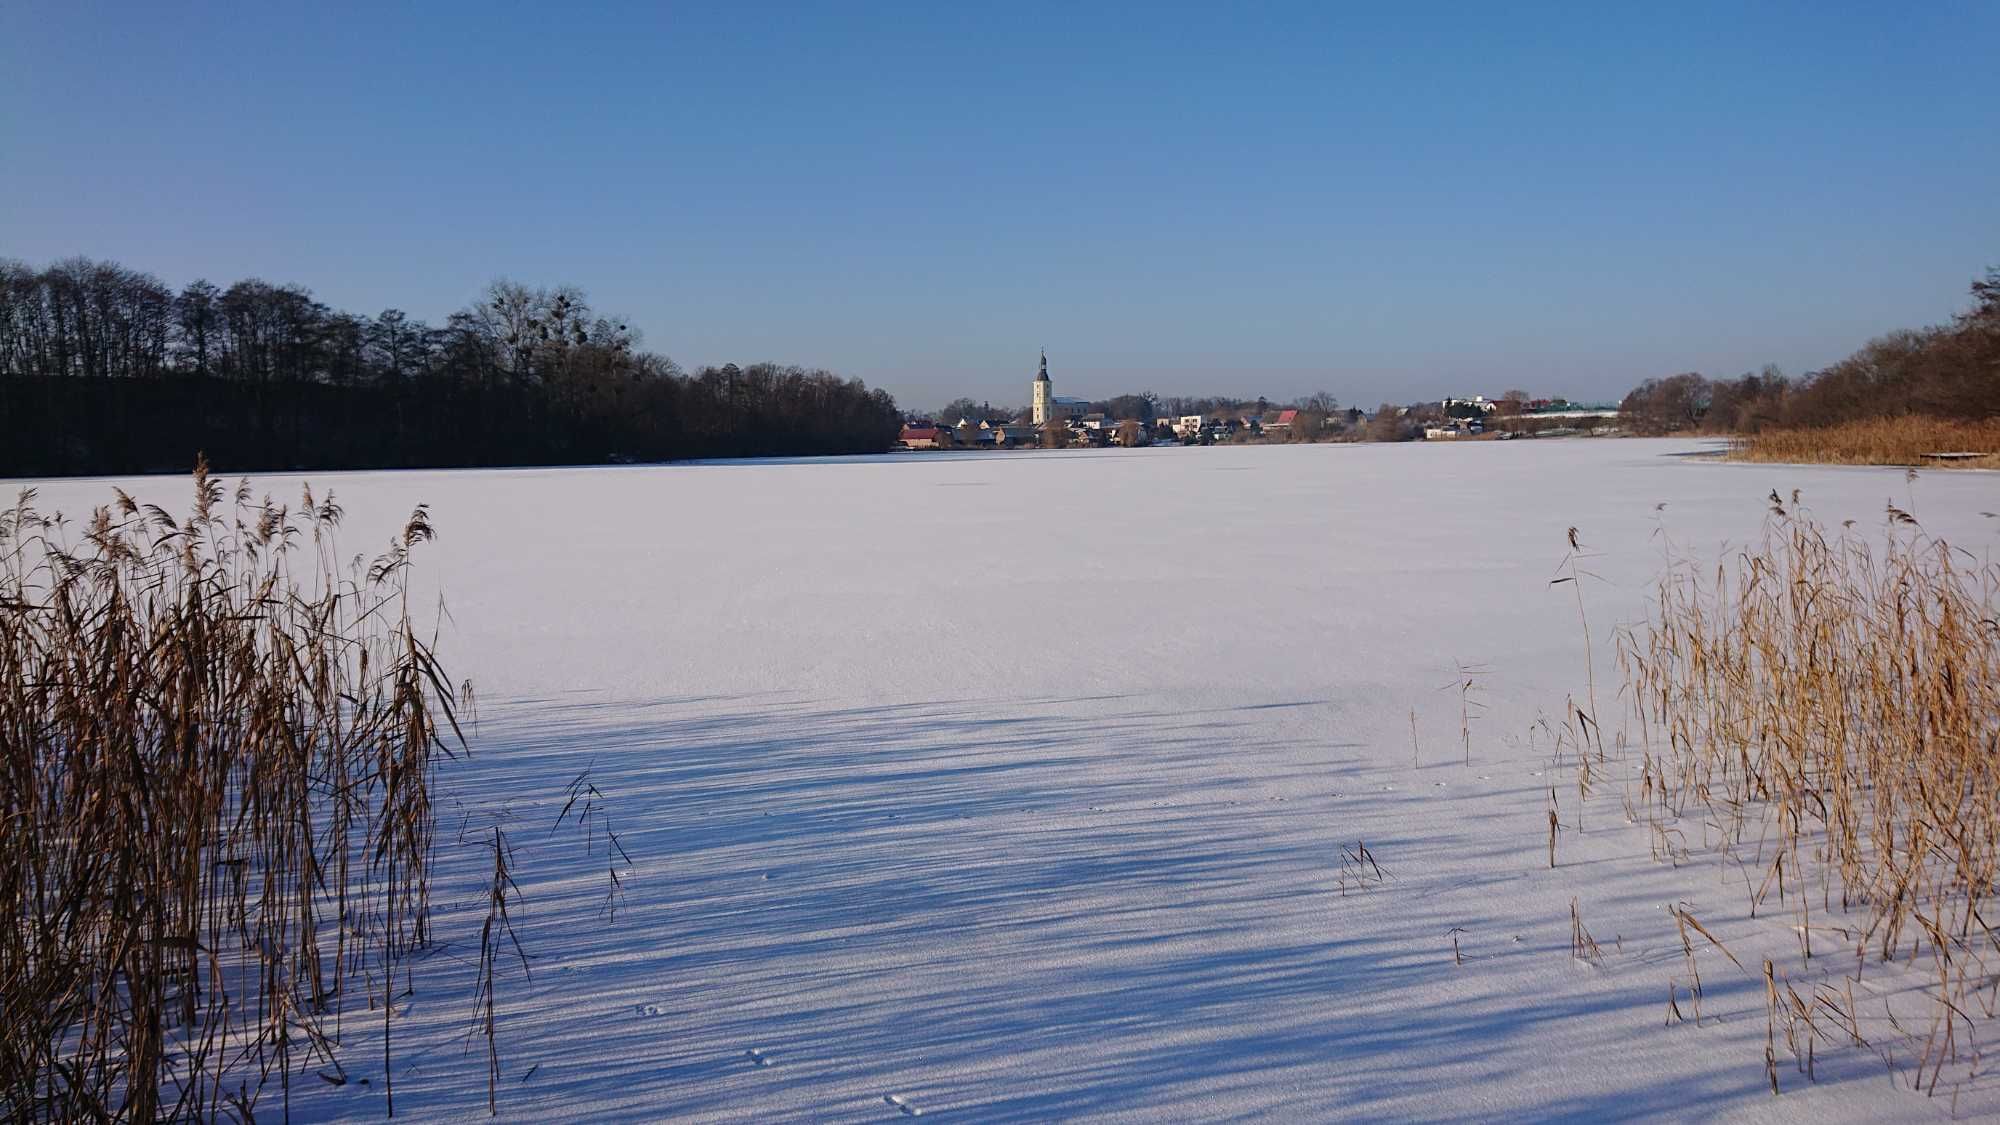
907	1109
650	1010
757	1057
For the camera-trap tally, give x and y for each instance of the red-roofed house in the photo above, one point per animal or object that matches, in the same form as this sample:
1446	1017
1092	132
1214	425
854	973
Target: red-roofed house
925	437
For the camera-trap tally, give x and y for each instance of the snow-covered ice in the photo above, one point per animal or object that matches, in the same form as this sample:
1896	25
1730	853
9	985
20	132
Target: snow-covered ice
1027	787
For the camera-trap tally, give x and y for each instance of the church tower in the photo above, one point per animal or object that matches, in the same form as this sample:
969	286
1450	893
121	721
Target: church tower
1044	393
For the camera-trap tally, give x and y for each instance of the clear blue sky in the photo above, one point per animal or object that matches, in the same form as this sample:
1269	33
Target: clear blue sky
1388	201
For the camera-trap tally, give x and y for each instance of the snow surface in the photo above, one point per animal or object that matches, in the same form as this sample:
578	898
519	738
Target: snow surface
1013	787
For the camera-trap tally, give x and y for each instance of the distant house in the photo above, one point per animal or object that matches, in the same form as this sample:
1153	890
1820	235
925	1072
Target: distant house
925	435
1471	427
1189	425
1281	422
1010	435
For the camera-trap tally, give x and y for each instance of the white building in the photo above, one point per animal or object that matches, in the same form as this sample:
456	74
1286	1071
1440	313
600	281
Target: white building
1477	402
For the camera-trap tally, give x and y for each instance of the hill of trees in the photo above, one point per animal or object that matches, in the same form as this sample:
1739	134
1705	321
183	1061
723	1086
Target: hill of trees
104	369
1949	371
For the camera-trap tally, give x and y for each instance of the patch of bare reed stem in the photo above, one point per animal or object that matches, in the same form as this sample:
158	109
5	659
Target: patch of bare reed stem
1832	706
217	757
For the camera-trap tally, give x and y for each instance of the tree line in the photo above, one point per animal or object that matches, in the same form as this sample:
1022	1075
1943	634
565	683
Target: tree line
105	369
1949	371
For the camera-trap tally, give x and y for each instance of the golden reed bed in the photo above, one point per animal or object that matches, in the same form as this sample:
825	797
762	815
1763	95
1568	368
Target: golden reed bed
1824	709
1882	441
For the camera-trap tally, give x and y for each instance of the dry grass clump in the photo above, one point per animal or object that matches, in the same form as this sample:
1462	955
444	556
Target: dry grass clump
1879	441
1833	708
217	758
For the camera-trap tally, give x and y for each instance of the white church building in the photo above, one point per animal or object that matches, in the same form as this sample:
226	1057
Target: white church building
1049	406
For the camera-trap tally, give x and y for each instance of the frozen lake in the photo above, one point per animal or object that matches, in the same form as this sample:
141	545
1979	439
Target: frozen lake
1014	786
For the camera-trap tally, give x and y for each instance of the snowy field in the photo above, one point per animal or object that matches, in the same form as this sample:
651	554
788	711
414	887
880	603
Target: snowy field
1015	788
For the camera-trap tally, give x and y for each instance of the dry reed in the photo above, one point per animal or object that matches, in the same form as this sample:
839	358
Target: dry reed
1881	441
1836	704
218	751
499	923
1358	868
1582	946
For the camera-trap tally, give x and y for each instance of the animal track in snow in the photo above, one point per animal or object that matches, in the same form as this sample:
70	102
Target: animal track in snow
907	1109
757	1057
650	1010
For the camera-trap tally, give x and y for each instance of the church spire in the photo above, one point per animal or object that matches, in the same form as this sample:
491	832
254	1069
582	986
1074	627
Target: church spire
1044	393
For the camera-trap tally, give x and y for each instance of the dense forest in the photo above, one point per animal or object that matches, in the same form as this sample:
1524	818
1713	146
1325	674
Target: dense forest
1948	371
104	369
